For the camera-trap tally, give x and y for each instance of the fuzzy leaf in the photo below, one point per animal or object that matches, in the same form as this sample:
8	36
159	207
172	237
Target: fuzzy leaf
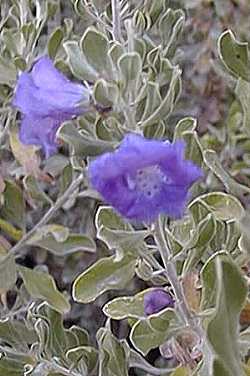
212	161
35	191
234	55
73	243
106	274
41	285
106	217
10	367
187	124
223	206
126	306
8	273
167	103
105	93
203	235
84	358
78	63
130	66
16	334
181	371
113	358
13	209
95	47
55	41
58	240
242	91
118	235
8	72
231	292
150	333
193	147
170	27
83	146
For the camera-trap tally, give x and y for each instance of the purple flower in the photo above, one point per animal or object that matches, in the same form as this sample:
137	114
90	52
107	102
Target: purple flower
144	178
156	300
47	98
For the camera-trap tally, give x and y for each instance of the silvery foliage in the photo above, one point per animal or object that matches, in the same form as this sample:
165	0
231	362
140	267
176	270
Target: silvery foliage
128	53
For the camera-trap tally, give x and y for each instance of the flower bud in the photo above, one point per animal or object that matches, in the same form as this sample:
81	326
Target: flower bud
156	300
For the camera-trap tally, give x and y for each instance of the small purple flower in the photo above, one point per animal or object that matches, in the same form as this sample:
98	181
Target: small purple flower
156	300
47	98
144	178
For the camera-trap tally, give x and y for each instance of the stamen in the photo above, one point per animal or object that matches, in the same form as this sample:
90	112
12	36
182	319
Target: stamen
148	181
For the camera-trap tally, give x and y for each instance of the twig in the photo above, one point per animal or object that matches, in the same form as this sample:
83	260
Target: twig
171	272
96	16
116	20
50	213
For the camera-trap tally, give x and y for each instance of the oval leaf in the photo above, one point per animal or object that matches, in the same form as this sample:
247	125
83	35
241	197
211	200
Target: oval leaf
231	292
54	42
225	207
152	332
234	55
8	273
106	274
95	48
126	306
41	285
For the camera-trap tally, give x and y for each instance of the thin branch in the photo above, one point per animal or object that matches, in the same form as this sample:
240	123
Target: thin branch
50	213
116	20
92	12
189	319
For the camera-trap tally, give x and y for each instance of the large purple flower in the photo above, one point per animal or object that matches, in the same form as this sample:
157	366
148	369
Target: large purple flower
144	178
47	98
156	300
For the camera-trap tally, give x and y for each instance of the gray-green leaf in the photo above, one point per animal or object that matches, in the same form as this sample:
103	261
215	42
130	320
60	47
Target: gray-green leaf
55	41
78	63
224	207
106	274
13	209
58	240
242	91
95	47
41	285
83	146
234	55
126	306
150	333
222	331
113	357
8	273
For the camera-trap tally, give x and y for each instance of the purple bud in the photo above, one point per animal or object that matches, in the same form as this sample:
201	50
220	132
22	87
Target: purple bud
156	300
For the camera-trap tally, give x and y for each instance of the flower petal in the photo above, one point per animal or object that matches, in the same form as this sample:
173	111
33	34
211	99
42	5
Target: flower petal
47	92
114	176
41	132
47	98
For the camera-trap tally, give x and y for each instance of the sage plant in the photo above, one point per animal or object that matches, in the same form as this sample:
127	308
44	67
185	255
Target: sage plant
124	221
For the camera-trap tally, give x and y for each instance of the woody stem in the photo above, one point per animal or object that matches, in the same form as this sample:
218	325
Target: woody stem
116	20
188	318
